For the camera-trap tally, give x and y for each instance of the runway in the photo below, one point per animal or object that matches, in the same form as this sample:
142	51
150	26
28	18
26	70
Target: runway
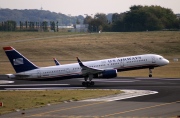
164	103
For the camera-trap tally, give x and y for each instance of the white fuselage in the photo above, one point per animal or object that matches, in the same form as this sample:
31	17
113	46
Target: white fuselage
74	69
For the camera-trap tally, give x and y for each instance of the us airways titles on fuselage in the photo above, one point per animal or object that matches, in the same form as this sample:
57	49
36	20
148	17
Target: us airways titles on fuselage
124	59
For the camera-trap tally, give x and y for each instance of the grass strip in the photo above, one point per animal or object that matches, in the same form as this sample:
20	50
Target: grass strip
21	100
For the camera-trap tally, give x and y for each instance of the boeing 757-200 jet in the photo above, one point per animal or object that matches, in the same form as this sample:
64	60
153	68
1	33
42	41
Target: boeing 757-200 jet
106	68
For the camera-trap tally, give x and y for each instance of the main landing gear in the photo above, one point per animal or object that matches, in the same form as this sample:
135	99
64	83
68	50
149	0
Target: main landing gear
150	72
88	83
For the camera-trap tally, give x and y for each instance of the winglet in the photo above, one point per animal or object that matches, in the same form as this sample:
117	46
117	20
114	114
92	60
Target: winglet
56	61
80	62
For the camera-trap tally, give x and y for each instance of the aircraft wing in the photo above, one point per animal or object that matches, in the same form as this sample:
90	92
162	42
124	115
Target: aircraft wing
88	70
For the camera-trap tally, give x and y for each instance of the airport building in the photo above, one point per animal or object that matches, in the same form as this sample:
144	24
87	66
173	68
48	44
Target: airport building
75	28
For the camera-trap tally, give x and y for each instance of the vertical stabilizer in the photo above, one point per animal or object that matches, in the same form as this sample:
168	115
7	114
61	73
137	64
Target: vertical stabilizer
18	61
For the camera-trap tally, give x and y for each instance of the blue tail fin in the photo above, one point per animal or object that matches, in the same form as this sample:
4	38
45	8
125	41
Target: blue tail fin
18	61
56	62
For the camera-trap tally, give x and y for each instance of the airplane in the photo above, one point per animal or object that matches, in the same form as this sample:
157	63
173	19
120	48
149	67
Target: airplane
56	62
106	68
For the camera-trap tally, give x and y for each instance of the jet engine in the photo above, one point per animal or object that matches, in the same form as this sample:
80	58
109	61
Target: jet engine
10	76
106	74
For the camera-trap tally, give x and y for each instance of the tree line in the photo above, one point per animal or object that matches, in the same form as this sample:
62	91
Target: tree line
28	26
139	18
8	26
34	15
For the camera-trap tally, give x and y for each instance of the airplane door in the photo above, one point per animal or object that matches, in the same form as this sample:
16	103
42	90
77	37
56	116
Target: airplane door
38	73
153	60
122	63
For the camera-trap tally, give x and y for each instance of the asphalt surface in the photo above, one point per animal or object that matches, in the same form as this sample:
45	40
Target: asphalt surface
165	103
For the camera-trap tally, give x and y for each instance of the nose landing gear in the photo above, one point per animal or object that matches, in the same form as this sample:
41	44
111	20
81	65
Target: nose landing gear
150	72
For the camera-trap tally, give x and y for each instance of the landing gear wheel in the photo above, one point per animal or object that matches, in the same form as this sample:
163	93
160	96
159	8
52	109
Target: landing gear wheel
150	72
92	83
87	84
83	83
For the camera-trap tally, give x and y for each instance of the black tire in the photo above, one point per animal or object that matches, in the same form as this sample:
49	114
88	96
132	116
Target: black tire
83	83
92	83
88	84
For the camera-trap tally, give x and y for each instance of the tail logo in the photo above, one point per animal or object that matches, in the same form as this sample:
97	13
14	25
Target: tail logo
18	61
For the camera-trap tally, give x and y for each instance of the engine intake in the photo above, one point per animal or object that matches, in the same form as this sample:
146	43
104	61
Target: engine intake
10	76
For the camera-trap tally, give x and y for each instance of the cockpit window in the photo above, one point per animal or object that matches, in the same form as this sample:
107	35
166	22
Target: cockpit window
160	58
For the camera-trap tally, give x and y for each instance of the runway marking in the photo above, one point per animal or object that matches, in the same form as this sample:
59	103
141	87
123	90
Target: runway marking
171	79
97	102
122	96
158	79
114	80
49	88
144	108
6	82
41	114
34	85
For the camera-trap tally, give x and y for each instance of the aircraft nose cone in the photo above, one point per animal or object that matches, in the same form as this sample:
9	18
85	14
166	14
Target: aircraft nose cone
166	61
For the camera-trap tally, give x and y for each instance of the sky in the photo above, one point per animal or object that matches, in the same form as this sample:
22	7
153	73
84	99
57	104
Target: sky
88	7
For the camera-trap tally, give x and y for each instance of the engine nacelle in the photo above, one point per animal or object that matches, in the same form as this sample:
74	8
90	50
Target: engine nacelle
11	76
106	74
